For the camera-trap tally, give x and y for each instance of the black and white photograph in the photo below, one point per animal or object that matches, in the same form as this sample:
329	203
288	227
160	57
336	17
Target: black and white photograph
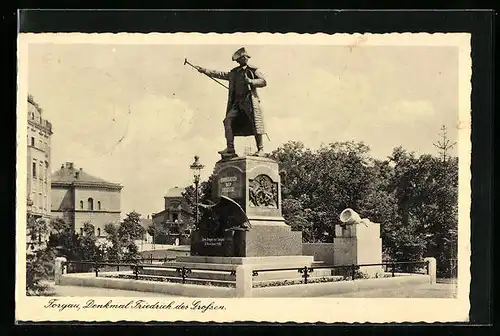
225	177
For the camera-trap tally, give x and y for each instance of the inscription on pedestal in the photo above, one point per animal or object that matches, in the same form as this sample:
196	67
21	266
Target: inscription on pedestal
230	184
211	242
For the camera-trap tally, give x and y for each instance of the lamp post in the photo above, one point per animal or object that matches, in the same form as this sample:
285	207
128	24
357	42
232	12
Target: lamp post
196	167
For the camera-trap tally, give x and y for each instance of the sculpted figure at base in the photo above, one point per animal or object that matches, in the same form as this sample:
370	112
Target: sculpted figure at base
225	215
243	113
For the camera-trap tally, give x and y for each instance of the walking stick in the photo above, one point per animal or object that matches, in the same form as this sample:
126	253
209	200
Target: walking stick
187	62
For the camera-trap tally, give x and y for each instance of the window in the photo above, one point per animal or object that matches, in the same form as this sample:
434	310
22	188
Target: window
81	205
175	217
90	203
98	205
33	173
33	141
98	232
81	231
40	144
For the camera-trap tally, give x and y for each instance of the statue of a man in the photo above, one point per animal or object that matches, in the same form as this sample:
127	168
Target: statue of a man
243	113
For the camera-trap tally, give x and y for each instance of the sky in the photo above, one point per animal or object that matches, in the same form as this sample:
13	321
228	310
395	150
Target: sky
134	114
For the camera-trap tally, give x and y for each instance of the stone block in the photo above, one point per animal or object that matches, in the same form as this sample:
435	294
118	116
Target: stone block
244	281
432	267
297	260
59	269
269	240
365	231
253	182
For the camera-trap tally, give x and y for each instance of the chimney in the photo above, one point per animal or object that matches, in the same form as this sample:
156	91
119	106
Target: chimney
77	174
148	216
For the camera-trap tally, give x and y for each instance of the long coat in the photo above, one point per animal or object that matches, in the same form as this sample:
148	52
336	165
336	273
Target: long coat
252	122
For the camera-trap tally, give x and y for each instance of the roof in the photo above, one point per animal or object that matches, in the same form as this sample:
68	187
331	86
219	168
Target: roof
174	192
68	174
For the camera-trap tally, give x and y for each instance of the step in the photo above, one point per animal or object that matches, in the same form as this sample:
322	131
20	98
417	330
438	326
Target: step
197	274
226	276
298	280
299	260
290	274
189	280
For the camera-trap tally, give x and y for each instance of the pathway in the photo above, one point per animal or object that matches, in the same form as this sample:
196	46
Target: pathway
69	291
416	291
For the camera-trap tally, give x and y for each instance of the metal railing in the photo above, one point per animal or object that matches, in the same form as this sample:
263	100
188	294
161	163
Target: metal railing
351	272
352	269
138	268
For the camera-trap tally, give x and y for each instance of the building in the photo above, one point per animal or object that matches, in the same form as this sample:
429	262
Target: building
79	197
175	221
39	134
146	223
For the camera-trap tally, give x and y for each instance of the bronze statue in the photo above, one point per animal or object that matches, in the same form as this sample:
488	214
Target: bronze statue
225	215
243	113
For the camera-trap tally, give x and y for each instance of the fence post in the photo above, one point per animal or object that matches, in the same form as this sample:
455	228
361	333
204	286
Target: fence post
96	269
431	266
353	270
151	257
393	267
136	271
59	269
243	281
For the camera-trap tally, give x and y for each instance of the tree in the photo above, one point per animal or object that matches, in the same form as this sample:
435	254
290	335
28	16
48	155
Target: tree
39	267
40	264
426	189
122	238
324	182
130	228
204	194
64	240
37	229
88	244
114	250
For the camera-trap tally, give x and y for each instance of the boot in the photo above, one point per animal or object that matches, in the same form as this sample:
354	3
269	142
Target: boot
260	146
229	149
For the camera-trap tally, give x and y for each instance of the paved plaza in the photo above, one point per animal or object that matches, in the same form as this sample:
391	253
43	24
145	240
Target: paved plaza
417	291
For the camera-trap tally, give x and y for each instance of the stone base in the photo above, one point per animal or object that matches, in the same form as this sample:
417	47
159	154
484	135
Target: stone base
270	240
358	244
296	260
263	239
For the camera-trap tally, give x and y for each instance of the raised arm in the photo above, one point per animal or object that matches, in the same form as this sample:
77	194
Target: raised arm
259	80
214	73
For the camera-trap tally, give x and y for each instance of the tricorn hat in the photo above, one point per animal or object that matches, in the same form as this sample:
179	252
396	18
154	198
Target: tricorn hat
239	53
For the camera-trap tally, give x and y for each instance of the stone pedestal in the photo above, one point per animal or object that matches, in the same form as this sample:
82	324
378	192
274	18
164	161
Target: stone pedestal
359	244
254	183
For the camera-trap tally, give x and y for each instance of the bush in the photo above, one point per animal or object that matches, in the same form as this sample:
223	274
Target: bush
39	268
